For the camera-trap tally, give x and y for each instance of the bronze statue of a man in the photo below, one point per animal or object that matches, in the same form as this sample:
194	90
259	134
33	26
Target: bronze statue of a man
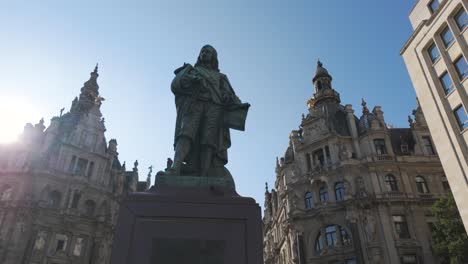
206	108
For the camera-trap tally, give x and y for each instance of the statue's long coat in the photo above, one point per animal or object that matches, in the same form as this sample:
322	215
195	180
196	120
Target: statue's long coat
216	84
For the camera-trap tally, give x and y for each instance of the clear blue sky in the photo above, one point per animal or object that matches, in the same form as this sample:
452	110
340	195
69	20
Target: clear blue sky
268	49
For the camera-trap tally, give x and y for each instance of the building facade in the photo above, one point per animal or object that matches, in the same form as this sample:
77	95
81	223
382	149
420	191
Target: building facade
435	56
60	188
351	189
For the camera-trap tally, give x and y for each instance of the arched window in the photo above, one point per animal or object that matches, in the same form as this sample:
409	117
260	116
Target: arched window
391	183
319	85
323	192
54	199
421	185
309	200
90	207
330	235
339	191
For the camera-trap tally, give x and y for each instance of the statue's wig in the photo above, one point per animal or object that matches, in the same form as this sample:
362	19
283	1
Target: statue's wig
214	62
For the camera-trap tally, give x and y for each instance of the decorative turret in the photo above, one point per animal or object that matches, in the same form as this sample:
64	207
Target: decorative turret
365	122
323	88
89	95
419	119
322	79
112	148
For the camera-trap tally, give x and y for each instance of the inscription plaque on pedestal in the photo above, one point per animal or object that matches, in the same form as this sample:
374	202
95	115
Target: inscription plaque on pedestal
175	225
166	251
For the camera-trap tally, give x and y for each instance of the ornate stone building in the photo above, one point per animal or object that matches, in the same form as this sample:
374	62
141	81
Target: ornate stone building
60	188
352	189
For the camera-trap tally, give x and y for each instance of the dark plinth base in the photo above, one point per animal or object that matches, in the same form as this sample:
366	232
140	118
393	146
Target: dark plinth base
196	225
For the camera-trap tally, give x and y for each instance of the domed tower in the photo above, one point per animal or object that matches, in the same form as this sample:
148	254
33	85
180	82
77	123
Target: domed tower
324	92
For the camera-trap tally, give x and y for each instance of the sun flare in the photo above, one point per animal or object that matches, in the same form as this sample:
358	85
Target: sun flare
14	114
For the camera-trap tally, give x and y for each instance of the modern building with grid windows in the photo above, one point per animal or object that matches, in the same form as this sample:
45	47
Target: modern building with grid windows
436	58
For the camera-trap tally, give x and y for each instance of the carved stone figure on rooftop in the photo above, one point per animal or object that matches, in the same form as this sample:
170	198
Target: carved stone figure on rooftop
207	107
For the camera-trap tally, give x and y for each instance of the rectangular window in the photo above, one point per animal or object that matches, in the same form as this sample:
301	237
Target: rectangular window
461	116
81	166
71	167
461	67
76	200
61	242
428	145
433	52
462	19
447	37
446	82
401	227
90	169
434	5
380	148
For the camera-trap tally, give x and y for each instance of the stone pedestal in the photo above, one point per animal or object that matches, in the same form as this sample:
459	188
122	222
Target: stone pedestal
197	221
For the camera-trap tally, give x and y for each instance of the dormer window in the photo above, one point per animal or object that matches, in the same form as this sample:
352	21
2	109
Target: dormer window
380	148
404	148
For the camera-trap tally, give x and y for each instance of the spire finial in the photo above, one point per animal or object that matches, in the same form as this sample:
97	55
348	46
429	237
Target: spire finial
319	63
266	187
364	107
96	68
410	120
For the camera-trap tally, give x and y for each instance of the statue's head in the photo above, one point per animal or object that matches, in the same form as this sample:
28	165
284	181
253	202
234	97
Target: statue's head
209	57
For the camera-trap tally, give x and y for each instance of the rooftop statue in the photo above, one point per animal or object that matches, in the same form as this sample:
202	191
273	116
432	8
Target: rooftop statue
207	107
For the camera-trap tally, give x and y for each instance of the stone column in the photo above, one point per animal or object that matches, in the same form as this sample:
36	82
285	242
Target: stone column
325	160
